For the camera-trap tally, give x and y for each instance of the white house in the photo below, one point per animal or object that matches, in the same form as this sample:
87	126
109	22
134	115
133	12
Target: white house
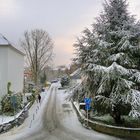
11	67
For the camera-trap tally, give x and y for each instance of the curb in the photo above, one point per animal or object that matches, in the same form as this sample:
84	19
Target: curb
123	132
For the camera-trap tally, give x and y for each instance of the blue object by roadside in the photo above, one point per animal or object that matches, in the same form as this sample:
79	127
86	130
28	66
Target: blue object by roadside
88	103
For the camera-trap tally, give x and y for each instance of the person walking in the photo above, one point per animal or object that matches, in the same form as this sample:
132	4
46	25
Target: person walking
39	98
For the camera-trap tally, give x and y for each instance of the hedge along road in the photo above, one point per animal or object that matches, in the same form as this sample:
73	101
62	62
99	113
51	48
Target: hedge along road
59	122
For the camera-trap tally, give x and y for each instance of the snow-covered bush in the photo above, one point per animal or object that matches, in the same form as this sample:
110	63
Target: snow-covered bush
6	102
65	81
7	106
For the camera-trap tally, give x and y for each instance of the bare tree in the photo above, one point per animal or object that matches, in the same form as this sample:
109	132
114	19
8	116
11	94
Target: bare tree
38	47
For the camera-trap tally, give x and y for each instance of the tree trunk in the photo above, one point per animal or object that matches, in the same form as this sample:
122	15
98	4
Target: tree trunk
116	116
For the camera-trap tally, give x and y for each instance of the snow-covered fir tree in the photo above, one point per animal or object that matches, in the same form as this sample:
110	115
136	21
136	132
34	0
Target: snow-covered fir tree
109	55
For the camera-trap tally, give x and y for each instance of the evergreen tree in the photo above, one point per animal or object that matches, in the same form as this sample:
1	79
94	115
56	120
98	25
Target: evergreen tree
110	59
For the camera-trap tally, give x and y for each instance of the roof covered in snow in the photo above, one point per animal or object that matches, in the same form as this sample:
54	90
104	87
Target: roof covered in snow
5	42
76	74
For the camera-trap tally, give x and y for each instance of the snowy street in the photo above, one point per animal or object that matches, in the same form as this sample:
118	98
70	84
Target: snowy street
55	120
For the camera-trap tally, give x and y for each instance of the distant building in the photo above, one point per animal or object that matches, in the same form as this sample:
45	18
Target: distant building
11	67
54	73
27	74
76	77
76	74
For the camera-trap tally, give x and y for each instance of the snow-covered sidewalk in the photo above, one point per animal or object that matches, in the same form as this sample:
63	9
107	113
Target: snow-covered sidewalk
5	119
32	123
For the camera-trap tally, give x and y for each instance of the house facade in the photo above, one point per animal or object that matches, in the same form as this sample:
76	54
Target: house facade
11	67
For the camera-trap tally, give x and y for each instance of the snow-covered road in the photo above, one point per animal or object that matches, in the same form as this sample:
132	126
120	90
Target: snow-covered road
56	120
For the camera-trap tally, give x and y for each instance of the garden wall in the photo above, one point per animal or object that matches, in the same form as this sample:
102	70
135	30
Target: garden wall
133	133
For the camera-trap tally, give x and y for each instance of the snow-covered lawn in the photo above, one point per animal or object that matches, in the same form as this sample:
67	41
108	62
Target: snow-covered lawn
5	119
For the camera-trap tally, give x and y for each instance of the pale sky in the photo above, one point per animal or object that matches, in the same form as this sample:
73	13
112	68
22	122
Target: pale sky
62	19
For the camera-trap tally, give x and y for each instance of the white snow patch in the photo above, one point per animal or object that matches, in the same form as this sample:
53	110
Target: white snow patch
5	119
118	68
115	57
136	76
97	68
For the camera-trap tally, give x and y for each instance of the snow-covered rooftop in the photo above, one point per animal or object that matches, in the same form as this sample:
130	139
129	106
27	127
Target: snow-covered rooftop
76	74
3	40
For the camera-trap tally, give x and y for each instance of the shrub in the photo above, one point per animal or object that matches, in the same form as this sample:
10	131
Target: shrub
7	106
65	81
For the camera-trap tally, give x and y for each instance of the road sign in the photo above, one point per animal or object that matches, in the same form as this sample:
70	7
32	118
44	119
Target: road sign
87	106
88	103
